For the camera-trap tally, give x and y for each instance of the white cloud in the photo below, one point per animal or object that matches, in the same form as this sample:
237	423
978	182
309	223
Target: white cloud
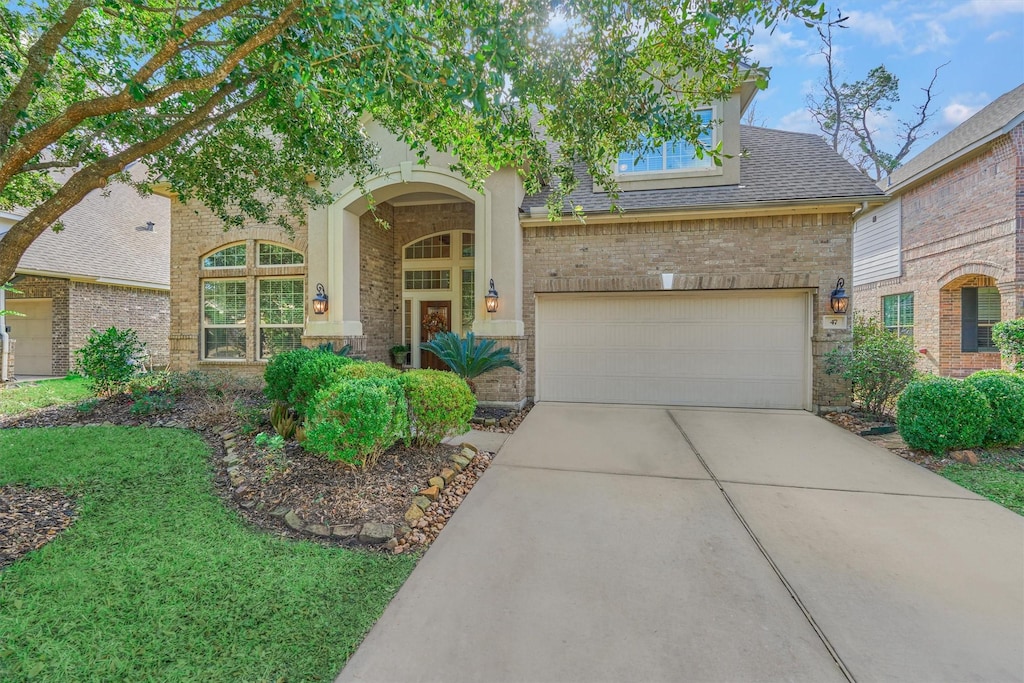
985	10
880	28
772	49
800	121
997	36
962	107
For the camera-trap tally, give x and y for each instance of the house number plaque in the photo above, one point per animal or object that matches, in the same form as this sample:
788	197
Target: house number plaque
833	322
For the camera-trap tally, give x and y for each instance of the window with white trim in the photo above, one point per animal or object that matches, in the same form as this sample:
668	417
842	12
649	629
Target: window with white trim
260	309
282	307
224	304
898	313
674	155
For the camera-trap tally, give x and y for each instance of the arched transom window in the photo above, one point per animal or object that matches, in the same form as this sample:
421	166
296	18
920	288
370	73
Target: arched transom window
253	301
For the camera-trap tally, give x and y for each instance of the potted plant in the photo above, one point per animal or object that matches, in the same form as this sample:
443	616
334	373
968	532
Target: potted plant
399	353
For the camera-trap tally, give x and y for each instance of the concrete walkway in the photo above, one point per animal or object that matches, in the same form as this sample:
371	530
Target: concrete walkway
614	543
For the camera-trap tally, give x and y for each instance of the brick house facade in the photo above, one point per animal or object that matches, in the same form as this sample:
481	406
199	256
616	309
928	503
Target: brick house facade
108	267
753	248
80	307
957	223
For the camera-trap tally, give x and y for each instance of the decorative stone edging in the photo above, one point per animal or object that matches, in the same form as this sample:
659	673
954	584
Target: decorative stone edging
368	533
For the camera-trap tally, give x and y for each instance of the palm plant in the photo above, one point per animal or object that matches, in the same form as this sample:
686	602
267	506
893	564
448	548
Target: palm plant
469	358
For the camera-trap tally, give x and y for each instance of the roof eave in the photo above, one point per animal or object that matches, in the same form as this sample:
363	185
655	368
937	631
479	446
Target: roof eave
967	151
96	279
539	215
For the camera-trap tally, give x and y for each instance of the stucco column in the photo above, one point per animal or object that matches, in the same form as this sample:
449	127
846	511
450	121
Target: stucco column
499	256
340	277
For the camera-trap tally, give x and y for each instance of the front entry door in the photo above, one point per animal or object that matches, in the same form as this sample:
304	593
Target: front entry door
435	316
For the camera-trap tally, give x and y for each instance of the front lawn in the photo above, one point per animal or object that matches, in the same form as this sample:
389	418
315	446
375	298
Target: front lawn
157	580
1000	479
51	392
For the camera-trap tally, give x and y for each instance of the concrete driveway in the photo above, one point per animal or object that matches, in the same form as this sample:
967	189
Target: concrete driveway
620	543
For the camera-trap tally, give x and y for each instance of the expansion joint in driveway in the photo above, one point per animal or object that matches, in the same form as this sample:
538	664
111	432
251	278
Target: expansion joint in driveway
764	552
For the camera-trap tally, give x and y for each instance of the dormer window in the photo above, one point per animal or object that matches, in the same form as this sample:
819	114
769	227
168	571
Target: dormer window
673	156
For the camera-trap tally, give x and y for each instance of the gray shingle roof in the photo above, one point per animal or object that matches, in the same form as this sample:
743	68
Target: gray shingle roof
990	120
779	166
99	240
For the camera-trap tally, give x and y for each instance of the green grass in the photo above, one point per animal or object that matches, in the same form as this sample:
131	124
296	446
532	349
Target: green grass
50	392
158	581
1001	481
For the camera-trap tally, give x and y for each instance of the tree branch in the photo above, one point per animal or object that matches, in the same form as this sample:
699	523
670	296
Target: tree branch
35	141
94	176
911	134
40	57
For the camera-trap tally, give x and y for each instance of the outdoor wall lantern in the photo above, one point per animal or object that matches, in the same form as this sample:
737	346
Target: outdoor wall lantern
491	300
320	300
839	301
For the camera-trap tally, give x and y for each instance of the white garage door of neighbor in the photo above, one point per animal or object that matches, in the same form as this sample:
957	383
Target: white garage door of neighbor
32	335
747	349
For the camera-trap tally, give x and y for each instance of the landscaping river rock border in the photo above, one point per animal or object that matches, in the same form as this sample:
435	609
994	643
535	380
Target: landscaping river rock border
430	510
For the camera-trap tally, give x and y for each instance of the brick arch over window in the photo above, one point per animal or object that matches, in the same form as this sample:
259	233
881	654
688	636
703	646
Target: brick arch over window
985	268
968	306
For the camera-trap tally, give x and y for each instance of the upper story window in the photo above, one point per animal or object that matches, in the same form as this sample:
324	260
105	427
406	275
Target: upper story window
675	155
228	257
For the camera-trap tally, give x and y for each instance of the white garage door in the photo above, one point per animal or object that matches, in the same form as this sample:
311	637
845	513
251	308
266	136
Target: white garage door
33	335
739	349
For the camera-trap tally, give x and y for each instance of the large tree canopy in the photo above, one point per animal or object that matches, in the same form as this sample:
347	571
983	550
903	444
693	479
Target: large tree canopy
253	107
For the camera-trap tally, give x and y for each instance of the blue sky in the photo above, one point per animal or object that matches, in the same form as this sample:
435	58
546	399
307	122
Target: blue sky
983	41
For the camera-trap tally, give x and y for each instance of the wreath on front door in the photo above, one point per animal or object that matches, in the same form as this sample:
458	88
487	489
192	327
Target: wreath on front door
433	323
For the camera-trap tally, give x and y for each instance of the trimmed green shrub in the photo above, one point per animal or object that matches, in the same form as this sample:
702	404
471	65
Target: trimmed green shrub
942	414
366	370
1005	394
318	371
110	359
282	369
1008	336
879	364
440	404
355	421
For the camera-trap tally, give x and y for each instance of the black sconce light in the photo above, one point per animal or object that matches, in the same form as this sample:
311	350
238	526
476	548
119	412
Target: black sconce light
320	300
839	301
491	300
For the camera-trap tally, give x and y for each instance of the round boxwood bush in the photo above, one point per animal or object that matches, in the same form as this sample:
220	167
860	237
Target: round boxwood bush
367	369
440	404
1005	394
317	371
355	421
942	414
281	372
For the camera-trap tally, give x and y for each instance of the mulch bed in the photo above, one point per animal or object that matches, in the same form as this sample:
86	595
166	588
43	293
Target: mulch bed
862	424
317	490
29	518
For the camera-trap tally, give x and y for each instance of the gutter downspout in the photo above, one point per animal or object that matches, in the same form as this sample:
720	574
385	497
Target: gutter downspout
862	209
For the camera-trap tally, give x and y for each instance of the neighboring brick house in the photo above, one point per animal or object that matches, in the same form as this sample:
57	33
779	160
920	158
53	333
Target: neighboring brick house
711	288
108	266
944	259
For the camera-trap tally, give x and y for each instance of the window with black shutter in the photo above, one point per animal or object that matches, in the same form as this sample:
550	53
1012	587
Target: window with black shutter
979	311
